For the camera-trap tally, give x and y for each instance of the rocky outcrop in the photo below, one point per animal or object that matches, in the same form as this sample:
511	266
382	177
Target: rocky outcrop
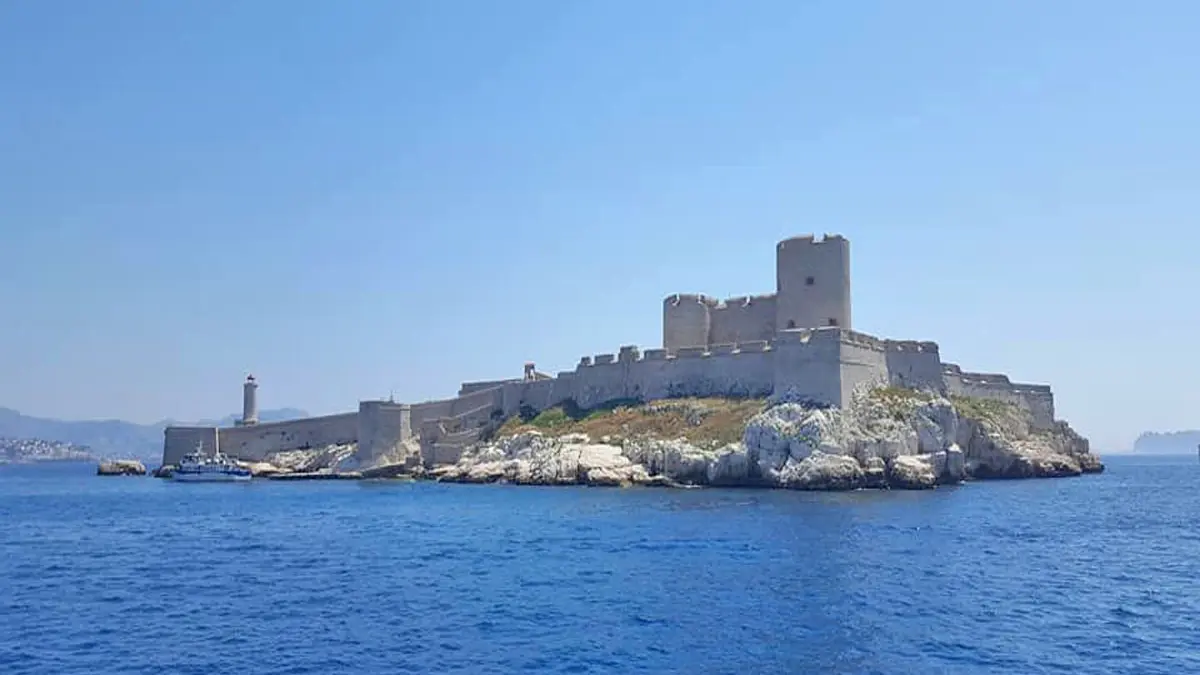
262	469
330	457
397	470
886	438
121	467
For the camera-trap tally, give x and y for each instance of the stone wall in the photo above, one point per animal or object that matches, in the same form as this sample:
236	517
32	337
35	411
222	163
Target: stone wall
864	363
723	370
744	319
473	387
916	365
255	442
454	407
808	365
179	441
1037	399
382	427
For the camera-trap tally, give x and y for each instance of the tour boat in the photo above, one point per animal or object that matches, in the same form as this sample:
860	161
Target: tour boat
218	467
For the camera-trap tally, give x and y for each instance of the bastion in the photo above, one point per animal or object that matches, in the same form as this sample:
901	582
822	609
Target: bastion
798	339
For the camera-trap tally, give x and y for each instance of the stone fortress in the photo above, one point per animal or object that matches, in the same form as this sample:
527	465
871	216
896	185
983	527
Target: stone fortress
797	340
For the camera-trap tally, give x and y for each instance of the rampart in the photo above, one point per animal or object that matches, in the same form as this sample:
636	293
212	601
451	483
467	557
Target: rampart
742	319
913	364
179	441
1037	399
382	427
255	442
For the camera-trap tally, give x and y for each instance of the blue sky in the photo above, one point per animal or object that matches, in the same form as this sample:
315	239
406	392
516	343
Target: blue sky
348	199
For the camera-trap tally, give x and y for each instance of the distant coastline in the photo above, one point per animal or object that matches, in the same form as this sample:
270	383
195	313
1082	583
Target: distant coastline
1167	443
109	438
37	450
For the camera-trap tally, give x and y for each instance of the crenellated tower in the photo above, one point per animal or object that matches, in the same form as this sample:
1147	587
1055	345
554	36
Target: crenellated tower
812	282
812	290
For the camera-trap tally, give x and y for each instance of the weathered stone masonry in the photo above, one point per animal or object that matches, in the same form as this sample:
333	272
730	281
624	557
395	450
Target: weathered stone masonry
797	339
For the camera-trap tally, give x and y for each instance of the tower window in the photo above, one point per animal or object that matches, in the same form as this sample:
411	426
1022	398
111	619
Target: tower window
809	281
833	322
791	324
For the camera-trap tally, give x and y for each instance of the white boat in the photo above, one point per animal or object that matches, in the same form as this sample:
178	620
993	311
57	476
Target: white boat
198	467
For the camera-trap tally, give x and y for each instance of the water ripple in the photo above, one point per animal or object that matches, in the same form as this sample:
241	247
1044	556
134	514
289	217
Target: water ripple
1095	575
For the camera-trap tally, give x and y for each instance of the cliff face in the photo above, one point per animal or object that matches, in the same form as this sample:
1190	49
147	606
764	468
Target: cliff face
885	438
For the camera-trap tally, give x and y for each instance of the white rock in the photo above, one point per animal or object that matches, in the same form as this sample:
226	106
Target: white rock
821	471
731	466
912	472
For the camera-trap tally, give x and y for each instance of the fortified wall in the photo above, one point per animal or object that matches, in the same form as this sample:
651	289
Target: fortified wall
796	340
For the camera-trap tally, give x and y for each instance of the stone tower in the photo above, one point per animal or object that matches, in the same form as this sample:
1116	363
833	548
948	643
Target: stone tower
812	282
686	320
250	401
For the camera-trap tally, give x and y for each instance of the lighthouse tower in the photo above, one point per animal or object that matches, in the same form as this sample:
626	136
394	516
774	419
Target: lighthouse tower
250	401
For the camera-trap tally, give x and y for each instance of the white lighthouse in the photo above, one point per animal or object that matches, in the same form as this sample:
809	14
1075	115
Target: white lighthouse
250	401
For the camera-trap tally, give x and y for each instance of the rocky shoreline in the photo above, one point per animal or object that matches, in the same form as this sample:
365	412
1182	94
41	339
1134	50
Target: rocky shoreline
887	438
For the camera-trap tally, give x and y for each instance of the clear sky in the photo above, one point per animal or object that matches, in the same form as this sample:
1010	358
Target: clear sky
349	199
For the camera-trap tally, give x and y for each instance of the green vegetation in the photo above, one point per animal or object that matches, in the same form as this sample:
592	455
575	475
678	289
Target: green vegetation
900	401
715	421
983	409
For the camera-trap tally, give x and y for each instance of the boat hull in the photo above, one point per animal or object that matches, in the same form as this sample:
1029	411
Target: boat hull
210	477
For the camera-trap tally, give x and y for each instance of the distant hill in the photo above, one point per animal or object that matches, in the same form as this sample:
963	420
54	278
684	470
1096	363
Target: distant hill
1167	443
113	438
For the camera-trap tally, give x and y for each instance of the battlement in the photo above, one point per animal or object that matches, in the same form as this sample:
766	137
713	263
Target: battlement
809	335
631	354
985	378
912	346
739	301
677	299
863	340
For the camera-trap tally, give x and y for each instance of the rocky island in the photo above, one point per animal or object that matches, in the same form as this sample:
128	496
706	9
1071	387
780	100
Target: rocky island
887	438
773	390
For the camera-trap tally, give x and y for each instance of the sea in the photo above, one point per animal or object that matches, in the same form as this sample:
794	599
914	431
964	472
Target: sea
108	575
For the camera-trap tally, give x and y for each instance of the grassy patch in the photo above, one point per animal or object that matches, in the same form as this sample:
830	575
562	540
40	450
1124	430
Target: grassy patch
983	409
700	420
899	401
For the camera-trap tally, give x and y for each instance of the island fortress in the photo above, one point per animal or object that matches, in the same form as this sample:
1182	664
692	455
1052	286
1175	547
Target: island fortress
797	340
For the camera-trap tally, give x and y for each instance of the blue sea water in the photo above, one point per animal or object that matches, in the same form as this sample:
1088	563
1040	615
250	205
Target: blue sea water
1097	574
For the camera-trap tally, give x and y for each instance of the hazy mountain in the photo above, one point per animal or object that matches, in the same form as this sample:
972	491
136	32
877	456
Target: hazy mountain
113	438
1167	443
